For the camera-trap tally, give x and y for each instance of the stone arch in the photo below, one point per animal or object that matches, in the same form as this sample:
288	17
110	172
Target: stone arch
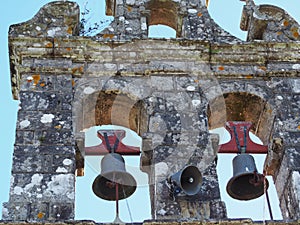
165	13
242	106
109	96
107	101
93	168
119	109
258	108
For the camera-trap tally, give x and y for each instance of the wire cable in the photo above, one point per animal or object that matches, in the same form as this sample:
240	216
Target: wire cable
129	211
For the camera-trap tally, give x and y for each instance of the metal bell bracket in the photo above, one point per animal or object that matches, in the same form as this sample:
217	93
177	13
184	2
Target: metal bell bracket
111	143
240	139
174	190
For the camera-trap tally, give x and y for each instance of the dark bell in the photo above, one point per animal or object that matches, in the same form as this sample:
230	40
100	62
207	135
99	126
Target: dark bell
246	183
112	172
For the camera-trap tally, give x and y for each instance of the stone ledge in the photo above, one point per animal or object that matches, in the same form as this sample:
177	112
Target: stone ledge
81	57
163	222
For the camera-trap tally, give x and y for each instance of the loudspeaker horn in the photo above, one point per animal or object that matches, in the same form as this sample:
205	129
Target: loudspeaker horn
189	180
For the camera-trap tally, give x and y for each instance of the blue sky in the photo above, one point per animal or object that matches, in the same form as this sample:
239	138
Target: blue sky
227	14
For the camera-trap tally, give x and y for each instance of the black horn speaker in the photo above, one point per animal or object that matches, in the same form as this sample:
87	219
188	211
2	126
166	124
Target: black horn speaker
189	180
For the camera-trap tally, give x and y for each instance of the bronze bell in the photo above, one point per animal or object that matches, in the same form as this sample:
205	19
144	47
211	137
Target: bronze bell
246	183
113	174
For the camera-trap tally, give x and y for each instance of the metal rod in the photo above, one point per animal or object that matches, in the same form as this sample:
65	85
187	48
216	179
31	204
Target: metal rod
116	144
117	200
245	140
269	205
108	147
237	140
127	205
117	218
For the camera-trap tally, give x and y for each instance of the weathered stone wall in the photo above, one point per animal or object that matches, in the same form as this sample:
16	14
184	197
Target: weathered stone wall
190	19
269	23
174	90
224	222
43	161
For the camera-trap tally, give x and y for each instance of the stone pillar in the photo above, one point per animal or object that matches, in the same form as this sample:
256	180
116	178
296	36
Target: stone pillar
130	21
43	180
43	171
178	136
269	23
285	148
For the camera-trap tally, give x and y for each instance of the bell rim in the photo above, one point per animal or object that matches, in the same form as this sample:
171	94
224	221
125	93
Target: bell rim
102	196
235	196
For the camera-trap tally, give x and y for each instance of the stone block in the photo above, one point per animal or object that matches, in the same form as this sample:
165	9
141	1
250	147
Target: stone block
63	164
218	210
209	189
281	180
295	84
178	101
186	83
279	85
38	211
54	137
24	137
37	120
165	83
290	138
28	163
193	121
291	196
64	84
34	101
39	149
15	211
293	158
27	186
61	211
167	210
37	82
42	187
53	63
283	206
157	124
228	86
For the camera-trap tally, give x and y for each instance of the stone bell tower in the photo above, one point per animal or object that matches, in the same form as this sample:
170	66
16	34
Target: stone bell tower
170	92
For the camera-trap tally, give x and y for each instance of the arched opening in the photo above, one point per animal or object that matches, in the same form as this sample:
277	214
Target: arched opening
242	106
255	209
103	210
119	109
161	31
164	13
109	109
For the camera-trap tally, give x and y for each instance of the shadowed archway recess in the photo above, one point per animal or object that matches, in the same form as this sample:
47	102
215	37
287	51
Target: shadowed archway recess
165	13
119	109
242	106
